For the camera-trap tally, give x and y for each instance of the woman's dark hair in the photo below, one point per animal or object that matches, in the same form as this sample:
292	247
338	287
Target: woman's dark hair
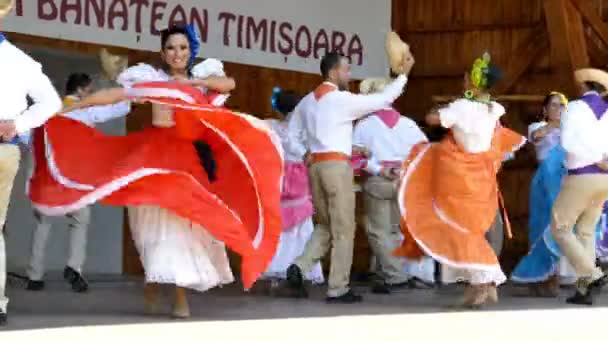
493	76
286	101
164	37
548	99
76	81
170	31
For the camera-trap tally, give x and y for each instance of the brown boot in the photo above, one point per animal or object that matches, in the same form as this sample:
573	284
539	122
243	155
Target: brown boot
181	309
547	289
551	286
151	299
474	296
492	292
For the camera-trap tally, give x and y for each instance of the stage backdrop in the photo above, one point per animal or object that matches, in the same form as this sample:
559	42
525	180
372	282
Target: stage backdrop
281	34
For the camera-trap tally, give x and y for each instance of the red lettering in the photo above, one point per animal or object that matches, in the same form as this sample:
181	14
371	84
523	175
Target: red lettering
138	7
227	17
355	47
257	31
47	10
66	7
303	31
118	10
337	42
321	42
284	31
177	16
99	8
19	8
239	32
156	16
202	23
273	28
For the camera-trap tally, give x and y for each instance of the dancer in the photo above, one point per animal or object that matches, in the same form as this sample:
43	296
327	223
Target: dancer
296	202
449	193
585	188
388	137
204	176
328	114
21	77
78	86
541	268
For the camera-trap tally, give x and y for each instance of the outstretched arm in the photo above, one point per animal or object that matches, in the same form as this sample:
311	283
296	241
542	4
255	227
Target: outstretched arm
100	98
218	83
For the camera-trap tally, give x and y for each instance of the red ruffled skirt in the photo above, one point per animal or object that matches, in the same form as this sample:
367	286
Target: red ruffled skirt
76	165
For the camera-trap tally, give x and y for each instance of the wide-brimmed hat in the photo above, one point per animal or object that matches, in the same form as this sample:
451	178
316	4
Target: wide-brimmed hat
112	64
396	51
373	85
6	6
592	75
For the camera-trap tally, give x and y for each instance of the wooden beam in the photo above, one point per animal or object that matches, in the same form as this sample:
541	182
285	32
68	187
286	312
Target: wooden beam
432	28
591	16
567	36
598	55
523	57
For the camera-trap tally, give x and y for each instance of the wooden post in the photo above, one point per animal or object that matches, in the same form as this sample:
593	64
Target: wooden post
568	41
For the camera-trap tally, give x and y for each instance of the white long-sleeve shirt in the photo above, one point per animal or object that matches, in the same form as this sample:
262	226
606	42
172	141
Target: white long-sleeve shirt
328	122
385	143
93	115
584	137
292	142
90	116
21	76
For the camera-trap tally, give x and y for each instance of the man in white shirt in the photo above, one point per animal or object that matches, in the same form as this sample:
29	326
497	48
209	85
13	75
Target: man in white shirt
388	137
78	86
21	77
585	188
327	115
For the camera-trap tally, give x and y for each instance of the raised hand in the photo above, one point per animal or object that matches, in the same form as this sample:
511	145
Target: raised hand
8	131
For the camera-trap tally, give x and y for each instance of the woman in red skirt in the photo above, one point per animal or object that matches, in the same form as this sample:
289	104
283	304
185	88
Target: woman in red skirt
202	177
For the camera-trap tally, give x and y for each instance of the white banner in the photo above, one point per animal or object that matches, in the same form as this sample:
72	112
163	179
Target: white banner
283	34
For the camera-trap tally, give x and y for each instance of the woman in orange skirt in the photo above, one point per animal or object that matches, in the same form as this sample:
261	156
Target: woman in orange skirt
449	193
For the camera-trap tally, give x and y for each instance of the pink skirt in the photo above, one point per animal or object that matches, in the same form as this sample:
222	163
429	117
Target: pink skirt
296	204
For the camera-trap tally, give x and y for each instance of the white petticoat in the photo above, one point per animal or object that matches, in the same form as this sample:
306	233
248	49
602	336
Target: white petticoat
173	251
291	246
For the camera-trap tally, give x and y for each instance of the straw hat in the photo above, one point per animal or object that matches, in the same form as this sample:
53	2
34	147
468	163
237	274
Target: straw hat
592	75
6	6
373	85
112	65
396	51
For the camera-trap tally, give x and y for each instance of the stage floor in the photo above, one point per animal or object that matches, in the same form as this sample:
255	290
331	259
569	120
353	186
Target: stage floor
112	309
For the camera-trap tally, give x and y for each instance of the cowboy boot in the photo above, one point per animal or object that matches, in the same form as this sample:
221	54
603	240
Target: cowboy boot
492	292
550	287
180	305
468	295
151	299
479	297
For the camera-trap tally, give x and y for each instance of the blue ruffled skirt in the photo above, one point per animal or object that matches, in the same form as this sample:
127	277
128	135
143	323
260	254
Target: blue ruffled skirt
543	259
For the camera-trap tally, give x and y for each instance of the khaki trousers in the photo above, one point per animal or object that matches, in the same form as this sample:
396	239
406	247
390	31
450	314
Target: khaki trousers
334	202
78	223
382	226
579	204
9	164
